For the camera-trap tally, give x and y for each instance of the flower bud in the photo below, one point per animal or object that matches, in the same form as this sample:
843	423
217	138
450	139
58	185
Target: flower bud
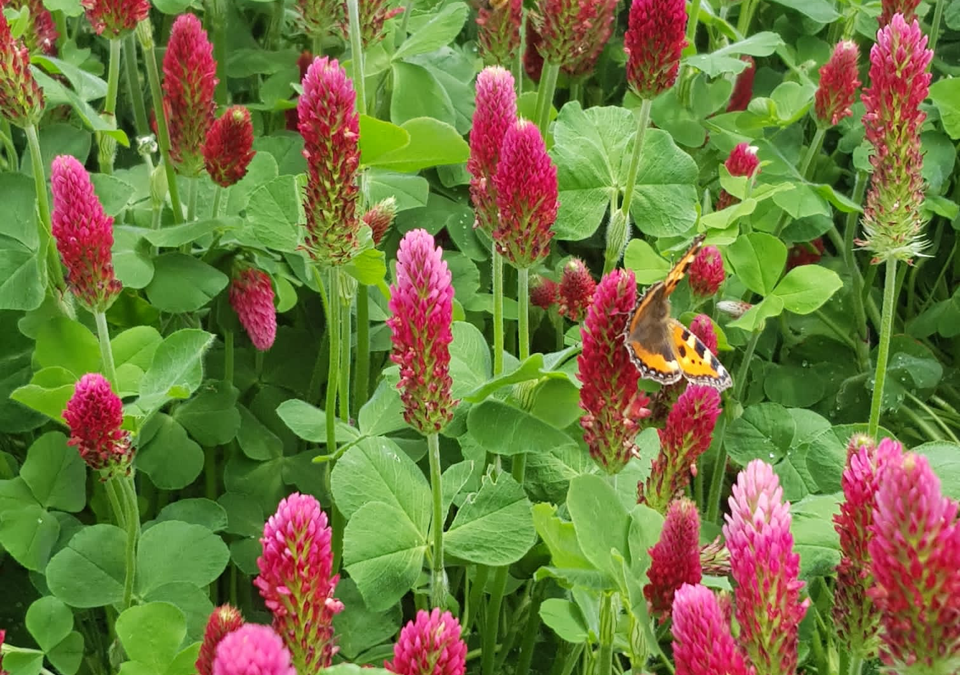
95	415
838	84
251	296
654	41
430	645
21	99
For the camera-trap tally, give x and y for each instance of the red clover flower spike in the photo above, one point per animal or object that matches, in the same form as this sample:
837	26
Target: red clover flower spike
228	149
743	161
223	621
189	81
253	650
41	34
899	83
330	127
430	645
839	79
675	559
116	17
295	581
573	32
654	41
495	113
94	415
84	235
916	569
251	296
706	273
613	406
576	289
889	8
527	196
498	30
421	304
702	642
765	570
21	99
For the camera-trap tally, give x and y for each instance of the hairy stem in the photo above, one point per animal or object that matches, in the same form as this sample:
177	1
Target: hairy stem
497	262
133	85
356	54
48	250
548	86
362	384
438	586
883	350
106	352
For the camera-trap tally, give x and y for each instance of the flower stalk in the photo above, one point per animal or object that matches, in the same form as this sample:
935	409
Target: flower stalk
883	345
438	580
133	85
548	86
54	273
615	241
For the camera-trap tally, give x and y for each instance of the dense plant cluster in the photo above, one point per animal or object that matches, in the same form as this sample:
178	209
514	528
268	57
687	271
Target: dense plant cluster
435	337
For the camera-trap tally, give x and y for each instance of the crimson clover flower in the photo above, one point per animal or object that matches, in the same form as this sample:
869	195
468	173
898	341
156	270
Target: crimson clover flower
228	149
576	289
21	99
495	113
675	559
252	649
430	645
654	41
251	296
223	621
115	17
94	415
702	643
839	79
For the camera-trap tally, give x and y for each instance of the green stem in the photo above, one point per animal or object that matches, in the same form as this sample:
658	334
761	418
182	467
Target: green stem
106	352
228	356
856	666
356	54
548	86
933	415
849	235
192	194
6	133
333	371
523	312
531	631
692	20
133	535
883	351
643	121
117	501
219	34
608	624
44	229
145	33
362	384
217	201
497	312
345	355
476	594
113	77
492	626
746	15
438	586
210	473
133	85
816	144
316	45
576	91
935	26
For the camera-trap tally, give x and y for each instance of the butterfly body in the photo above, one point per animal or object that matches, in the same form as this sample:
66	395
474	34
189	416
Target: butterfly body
661	347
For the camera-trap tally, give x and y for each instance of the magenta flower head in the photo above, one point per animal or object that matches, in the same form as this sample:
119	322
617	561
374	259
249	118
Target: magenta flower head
228	149
21	99
496	112
675	560
421	301
573	32
95	416
189	80
527	196
654	40
252	650
223	621
686	435
251	296
41	34
115	17
916	569
839	79
295	581
766	570
889	8
702	643
576	289
702	327
380	217
706	272
319	16
84	235
430	645
498	30
330	128
613	406
899	82
743	86
743	161
855	615
544	292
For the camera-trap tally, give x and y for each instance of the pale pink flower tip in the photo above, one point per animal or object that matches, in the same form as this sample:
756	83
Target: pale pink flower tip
654	41
223	621
95	415
839	79
251	296
706	273
495	113
675	560
702	642
527	196
252	650
430	645
421	304
916	569
84	235
765	569
295	580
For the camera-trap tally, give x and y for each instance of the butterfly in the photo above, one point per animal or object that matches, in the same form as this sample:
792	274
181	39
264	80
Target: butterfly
661	347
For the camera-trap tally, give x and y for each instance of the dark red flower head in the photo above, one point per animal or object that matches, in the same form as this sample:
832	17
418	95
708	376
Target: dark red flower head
573	32
21	99
228	150
706	272
251	296
839	79
495	113
675	560
41	34
743	86
380	217
498	30
223	621
576	289
654	42
95	415
115	17
189	81
543	292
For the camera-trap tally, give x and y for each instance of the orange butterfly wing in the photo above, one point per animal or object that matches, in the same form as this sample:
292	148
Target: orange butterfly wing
698	363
